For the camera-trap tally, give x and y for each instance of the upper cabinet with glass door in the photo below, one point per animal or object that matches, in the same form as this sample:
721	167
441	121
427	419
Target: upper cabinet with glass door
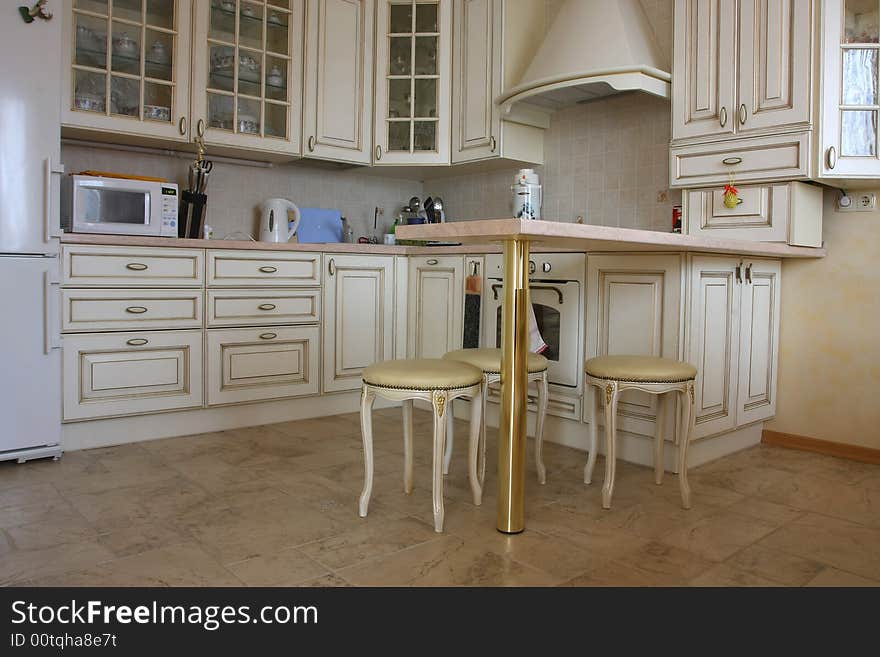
851	100
247	74
412	91
127	64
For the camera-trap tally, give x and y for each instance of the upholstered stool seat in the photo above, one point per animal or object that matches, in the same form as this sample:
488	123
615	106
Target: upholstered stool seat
489	362
654	375
433	380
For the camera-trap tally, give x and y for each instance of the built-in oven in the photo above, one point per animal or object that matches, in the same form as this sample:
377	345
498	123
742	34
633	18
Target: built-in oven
556	284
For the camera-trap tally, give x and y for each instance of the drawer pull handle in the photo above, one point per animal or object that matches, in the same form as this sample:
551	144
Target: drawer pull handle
331	267
378	153
311	144
136	266
136	310
731	161
137	342
268	269
266	306
492	144
743	114
268	336
433	261
831	157
722	117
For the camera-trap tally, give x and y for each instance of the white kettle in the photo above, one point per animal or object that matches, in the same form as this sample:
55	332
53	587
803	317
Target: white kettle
274	225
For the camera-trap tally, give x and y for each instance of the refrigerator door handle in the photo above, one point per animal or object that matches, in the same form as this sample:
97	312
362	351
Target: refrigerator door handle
51	311
53	228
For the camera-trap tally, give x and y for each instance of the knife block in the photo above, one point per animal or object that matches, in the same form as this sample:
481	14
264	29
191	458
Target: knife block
191	217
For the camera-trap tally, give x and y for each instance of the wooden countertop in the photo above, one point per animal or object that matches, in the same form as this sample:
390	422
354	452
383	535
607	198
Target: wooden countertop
589	238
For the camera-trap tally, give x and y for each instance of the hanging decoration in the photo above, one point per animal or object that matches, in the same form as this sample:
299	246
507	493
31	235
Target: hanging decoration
731	193
37	11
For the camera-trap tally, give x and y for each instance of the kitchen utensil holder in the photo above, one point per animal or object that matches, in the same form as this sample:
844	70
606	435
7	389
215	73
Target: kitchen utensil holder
192	214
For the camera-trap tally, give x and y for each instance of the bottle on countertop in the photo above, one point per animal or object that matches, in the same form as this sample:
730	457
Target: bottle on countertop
347	232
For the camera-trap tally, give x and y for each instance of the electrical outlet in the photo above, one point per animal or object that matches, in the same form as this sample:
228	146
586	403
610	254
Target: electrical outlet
858	202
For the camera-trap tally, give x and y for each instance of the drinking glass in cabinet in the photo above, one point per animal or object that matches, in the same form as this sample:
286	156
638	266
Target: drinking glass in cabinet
220	111
426	97
89	91
401	19
861	21
90	41
426	18
222	23
124	96
276	78
425	135
276	33
400	56
426	55
250	26
160	13
126	49
399	105
276	120
248	116
158	58
858	133
250	75
222	67
157	102
398	135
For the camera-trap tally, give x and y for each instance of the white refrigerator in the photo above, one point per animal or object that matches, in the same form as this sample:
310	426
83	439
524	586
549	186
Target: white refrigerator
30	151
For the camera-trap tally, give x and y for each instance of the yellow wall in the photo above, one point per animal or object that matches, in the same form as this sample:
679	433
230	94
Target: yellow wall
829	361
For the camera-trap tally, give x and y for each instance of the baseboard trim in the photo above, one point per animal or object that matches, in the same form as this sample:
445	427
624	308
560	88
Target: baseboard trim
827	447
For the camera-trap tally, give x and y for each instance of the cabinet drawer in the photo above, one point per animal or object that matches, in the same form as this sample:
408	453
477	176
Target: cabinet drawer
263	307
111	374
111	266
262	363
120	310
758	159
261	268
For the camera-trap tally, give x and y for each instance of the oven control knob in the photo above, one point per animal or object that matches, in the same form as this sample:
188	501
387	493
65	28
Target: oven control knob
545	267
532	266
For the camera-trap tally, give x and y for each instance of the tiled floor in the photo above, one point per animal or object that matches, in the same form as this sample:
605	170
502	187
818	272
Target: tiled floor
276	505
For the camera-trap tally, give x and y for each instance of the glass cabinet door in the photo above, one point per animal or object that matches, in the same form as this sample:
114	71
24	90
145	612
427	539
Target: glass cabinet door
248	60
852	147
129	66
412	82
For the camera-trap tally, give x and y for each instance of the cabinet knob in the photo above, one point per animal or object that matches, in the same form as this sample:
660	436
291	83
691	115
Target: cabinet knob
722	117
378	153
743	114
331	267
311	144
181	125
200	128
546	267
831	157
137	342
532	266
268	269
732	161
433	261
268	336
136	310
266	306
492	143
136	266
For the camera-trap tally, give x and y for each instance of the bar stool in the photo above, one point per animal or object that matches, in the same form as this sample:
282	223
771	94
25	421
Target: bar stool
657	376
437	382
489	362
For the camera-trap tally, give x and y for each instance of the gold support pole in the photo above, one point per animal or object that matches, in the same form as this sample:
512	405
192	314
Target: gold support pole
514	384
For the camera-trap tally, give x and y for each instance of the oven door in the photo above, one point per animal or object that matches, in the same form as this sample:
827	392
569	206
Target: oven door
115	206
557	312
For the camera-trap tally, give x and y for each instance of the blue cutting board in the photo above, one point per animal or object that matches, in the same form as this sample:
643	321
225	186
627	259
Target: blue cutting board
319	225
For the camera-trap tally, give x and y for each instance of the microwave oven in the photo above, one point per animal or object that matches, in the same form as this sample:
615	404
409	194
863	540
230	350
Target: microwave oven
120	206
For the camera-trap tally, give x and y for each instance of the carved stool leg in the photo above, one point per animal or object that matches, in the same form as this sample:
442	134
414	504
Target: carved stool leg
543	394
593	401
474	450
367	398
611	442
407	446
659	437
439	403
684	439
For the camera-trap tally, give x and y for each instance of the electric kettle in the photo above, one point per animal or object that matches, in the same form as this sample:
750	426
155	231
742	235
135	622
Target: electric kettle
274	225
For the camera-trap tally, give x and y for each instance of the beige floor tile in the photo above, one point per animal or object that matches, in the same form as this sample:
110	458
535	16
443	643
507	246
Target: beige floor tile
446	561
834	577
654	564
746	479
727	575
844	471
14	475
775	565
719	535
374	538
40	512
48	534
326	581
766	510
26	495
134	540
553	554
820	495
285	568
845	545
20	565
652	519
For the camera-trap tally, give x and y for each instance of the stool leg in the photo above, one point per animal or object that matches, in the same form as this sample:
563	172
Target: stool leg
684	440
450	438
543	393
611	443
659	437
592	400
367	398
474	451
407	446
484	395
439	401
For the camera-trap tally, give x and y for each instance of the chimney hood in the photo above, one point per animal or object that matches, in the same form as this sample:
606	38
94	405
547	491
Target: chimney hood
593	48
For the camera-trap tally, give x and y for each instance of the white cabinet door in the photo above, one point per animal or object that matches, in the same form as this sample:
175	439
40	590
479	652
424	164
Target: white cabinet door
715	291
476	80
850	100
412	93
633	307
759	341
436	298
111	374
338	83
775	63
704	65
358	317
256	364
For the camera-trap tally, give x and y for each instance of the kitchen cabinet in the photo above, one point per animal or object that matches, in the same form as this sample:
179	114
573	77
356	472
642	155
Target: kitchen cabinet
113	374
733	341
127	67
850	99
358	317
486	45
787	212
247	61
413	70
262	307
87	309
110	266
338	83
435	305
263	269
258	364
634	305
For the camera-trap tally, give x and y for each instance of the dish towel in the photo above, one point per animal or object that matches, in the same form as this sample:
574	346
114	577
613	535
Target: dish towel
536	342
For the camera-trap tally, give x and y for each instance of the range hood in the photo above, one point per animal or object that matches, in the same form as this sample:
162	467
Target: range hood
592	49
